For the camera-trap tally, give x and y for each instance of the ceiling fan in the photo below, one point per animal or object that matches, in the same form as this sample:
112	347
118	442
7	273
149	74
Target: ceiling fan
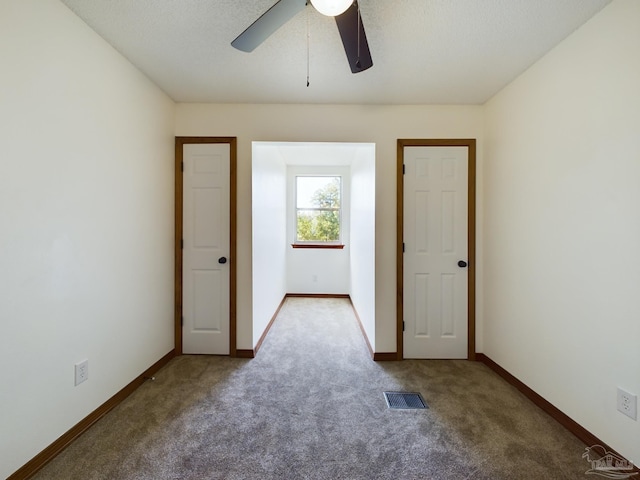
348	20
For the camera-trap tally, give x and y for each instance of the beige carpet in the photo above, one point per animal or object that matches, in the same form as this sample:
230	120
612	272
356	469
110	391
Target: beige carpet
311	406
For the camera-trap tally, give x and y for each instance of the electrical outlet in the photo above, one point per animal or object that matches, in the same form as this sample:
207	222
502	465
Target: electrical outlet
627	403
82	371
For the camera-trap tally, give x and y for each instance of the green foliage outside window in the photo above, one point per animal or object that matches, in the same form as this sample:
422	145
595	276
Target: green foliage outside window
319	218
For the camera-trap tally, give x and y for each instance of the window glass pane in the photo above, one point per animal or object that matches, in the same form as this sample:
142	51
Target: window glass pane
317	192
318	226
318	208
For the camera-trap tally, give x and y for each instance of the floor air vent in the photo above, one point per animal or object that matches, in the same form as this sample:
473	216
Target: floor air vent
405	400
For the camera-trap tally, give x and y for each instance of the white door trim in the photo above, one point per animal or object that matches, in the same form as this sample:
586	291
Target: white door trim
471	232
179	144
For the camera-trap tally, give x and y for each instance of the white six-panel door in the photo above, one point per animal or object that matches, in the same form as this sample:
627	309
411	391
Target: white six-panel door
205	265
435	240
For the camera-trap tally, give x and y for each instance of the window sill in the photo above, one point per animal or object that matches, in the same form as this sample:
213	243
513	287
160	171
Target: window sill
334	246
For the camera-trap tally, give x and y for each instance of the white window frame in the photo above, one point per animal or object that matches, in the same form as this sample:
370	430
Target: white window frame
338	241
344	172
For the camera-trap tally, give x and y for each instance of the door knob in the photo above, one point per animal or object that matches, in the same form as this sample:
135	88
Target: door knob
222	260
462	264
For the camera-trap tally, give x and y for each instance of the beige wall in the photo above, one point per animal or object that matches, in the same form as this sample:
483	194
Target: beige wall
381	125
562	225
86	222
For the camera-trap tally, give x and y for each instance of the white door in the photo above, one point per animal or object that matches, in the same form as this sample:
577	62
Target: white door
205	265
435	241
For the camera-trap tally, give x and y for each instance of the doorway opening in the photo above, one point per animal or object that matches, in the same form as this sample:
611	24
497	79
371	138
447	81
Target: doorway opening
283	262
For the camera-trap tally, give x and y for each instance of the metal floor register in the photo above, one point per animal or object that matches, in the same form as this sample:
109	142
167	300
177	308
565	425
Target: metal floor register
405	400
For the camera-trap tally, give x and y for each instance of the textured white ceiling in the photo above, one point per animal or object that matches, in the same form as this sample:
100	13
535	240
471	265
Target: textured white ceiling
424	51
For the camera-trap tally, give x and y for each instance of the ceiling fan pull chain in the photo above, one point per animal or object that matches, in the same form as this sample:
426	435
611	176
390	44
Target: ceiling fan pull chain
308	42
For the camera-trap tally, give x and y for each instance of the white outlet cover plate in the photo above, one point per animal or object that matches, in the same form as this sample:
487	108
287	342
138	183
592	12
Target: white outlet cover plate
628	403
81	372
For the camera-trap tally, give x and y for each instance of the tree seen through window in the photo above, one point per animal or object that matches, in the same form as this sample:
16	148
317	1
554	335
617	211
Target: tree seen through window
318	209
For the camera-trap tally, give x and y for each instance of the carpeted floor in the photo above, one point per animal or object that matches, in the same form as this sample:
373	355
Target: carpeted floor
311	406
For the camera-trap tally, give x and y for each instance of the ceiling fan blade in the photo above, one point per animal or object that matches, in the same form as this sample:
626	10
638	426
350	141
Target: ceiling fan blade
269	22
354	39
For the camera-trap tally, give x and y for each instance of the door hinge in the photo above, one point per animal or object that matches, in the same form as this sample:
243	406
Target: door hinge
182	166
403	326
182	244
402	247
403	168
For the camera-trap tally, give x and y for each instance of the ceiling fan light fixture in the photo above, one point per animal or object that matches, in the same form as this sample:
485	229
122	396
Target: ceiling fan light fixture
331	8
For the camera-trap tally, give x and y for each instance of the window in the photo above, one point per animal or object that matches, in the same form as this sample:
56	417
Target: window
318	218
